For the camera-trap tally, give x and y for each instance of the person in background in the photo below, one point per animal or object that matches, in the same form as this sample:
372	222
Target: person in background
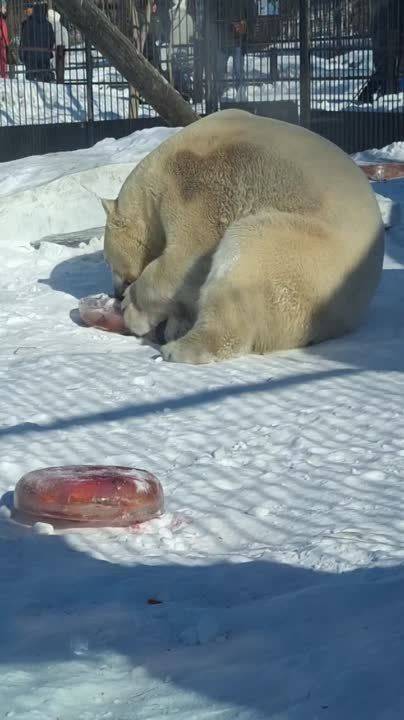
4	41
387	33
61	44
182	24
268	7
28	10
158	32
36	45
196	8
181	45
234	28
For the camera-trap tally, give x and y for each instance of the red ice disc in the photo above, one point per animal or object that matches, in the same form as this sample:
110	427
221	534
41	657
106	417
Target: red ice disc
383	171
103	312
90	494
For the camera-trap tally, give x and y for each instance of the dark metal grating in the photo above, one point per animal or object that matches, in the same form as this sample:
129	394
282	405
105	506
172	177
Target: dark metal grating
308	62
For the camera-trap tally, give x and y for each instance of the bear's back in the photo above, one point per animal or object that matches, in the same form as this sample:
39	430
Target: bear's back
236	159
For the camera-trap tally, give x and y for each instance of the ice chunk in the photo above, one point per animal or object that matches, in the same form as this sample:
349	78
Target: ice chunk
90	495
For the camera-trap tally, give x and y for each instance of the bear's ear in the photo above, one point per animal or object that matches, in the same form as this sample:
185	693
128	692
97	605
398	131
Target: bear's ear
110	206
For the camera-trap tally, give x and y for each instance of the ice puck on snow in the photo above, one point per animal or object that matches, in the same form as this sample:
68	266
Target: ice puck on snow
383	171
90	495
102	312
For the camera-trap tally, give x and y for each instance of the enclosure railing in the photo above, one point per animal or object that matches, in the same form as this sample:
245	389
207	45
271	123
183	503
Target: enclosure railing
333	65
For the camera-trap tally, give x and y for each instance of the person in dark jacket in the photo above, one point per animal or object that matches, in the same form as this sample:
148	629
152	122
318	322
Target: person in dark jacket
387	32
36	45
236	25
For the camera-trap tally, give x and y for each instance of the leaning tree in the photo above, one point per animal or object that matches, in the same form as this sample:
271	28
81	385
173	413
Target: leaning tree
126	54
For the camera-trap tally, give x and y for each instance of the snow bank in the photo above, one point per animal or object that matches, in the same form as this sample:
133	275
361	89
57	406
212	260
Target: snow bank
62	190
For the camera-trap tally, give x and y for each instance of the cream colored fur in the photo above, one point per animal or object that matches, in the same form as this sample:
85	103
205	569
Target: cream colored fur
247	235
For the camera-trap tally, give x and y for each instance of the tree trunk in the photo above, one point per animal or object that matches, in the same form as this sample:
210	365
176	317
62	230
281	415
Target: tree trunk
134	35
129	61
138	29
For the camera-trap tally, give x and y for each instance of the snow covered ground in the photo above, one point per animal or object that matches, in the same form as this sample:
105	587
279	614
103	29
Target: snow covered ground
279	561
336	83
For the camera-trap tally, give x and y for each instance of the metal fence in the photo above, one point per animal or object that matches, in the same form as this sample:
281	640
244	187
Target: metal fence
333	65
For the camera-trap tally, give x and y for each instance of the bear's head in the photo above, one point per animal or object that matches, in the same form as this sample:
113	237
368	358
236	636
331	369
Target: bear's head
126	246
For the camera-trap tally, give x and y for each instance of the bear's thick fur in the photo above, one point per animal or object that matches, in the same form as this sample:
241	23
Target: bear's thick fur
247	235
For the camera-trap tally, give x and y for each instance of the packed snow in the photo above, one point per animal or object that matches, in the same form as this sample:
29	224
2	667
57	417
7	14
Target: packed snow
273	586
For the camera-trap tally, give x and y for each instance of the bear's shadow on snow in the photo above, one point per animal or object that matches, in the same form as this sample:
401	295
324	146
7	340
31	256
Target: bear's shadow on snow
256	637
86	274
376	344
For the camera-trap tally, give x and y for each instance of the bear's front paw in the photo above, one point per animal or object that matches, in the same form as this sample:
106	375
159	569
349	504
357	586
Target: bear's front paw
137	321
185	351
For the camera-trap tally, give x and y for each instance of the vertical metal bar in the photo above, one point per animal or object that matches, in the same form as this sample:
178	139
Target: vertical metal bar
210	52
273	65
90	92
338	26
304	52
198	60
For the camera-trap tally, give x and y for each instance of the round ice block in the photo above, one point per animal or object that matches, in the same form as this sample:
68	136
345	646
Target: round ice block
90	494
383	171
103	312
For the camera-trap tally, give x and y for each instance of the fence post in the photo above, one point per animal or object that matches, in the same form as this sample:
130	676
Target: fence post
273	65
90	92
199	55
304	53
210	55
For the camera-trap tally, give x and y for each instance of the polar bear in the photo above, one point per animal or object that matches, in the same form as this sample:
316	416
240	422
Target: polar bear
247	235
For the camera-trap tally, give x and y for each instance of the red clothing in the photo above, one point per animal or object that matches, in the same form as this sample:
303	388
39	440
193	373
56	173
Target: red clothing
4	44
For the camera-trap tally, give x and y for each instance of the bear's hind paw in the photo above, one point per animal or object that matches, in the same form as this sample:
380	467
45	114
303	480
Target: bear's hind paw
183	351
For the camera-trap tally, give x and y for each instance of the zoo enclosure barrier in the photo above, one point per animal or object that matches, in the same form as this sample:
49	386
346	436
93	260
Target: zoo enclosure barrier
335	66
